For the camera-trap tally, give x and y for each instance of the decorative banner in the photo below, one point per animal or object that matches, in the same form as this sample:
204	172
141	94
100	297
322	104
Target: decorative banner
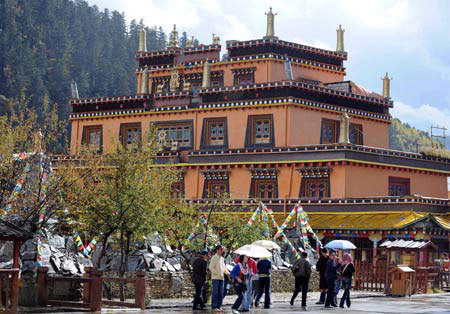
196	232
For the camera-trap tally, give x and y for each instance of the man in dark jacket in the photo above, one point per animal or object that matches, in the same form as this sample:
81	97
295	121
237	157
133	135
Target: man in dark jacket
302	272
264	267
331	276
321	267
199	267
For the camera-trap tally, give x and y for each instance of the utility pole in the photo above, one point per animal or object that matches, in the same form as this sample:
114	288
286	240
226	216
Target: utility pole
443	136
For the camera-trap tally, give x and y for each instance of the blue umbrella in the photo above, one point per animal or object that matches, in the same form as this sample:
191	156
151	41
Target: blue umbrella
340	245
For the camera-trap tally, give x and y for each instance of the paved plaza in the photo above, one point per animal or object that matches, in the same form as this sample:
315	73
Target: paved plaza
430	303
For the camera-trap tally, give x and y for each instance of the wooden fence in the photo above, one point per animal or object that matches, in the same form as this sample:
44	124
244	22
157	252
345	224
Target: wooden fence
92	282
370	277
9	290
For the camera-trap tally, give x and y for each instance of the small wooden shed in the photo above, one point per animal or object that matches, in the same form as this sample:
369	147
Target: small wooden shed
402	278
9	278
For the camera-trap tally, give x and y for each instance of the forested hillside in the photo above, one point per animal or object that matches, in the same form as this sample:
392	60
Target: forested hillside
404	137
44	44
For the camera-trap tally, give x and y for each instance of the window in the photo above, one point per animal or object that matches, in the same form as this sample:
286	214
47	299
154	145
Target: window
175	134
265	188
244	79
93	136
177	189
260	131
356	134
330	131
216	188
399	186
214	133
315	187
243	76
130	134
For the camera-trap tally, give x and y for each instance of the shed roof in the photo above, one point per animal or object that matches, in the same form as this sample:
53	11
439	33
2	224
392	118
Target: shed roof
10	232
406	244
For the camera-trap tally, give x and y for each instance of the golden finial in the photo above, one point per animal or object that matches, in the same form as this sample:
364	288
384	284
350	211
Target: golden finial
206	75
144	82
270	32
190	42
142	39
173	41
387	86
340	39
344	132
215	39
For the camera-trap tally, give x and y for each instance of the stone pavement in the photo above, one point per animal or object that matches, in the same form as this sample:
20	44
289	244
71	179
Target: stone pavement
276	298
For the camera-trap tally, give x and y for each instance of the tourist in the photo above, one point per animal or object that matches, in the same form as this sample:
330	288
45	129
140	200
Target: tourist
331	276
218	270
240	274
255	282
347	274
321	267
199	278
338	283
302	273
264	267
248	296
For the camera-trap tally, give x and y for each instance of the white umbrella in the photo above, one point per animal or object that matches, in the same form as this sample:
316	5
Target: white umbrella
253	251
340	245
267	244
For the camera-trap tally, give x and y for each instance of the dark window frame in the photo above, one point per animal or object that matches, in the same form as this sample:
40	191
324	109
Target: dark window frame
250	139
359	136
85	135
304	190
256	181
160	124
209	183
337	130
126	126
205	143
399	181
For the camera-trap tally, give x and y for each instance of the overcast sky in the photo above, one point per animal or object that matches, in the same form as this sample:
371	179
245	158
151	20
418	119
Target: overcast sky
407	38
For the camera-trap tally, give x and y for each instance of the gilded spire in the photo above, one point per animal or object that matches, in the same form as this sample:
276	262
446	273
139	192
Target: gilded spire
340	39
142	39
173	40
344	131
387	86
270	32
190	42
144	82
206	75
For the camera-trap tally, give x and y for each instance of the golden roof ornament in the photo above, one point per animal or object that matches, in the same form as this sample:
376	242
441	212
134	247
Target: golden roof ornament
270	32
173	39
190	42
345	129
142	39
144	82
206	75
387	86
340	39
215	39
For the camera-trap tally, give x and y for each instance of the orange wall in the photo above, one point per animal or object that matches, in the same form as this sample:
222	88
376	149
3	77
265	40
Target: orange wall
364	182
293	125
305	126
346	182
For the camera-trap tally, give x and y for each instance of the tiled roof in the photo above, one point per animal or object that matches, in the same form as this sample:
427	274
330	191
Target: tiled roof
405	244
10	231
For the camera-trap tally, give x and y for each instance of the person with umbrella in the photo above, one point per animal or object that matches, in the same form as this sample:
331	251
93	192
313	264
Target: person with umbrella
240	274
331	276
321	267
